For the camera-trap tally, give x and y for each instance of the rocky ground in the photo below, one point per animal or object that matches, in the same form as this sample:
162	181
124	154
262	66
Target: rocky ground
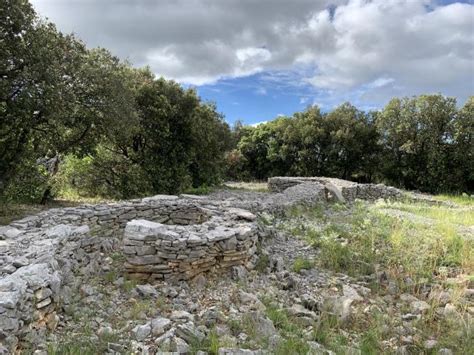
358	278
292	303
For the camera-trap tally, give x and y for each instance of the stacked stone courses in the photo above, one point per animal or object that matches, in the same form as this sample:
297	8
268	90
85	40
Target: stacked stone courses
45	257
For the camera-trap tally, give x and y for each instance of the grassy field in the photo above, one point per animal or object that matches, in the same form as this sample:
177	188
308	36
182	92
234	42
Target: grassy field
402	248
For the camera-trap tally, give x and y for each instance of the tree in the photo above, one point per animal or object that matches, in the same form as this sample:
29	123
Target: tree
417	136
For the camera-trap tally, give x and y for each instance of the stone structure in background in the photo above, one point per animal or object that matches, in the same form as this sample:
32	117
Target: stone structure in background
45	258
337	189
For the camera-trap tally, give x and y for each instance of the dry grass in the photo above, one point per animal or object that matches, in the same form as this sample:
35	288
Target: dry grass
251	186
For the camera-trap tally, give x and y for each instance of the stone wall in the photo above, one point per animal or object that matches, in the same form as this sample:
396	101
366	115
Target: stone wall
112	217
39	276
44	258
161	252
342	190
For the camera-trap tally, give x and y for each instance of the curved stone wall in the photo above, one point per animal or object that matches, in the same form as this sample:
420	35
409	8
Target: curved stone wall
41	256
161	252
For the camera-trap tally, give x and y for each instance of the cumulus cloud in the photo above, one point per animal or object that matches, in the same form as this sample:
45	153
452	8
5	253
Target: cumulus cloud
371	49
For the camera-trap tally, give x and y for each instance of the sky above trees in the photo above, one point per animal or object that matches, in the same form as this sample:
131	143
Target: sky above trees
260	59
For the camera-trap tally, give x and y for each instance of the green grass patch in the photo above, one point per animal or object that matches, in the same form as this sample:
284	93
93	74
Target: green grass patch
302	264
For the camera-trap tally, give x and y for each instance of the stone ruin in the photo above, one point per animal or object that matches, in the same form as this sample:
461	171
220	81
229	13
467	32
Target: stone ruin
157	251
337	189
44	257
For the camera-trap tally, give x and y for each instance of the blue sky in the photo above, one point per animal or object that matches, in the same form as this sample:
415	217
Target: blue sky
257	59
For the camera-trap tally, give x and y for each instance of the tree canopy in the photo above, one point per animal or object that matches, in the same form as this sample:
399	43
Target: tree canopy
81	121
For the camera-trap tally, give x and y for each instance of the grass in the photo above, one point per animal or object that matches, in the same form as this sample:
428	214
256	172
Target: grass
202	190
256	186
302	264
413	252
442	214
210	344
293	339
463	199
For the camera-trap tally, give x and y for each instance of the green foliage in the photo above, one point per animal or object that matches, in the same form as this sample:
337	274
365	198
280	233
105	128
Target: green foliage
302	264
293	339
427	143
423	143
29	184
122	133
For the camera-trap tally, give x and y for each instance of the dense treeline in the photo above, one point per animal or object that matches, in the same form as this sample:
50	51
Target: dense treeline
422	143
79	120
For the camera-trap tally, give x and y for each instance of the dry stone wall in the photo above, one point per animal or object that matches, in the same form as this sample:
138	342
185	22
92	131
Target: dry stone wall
341	190
44	258
161	252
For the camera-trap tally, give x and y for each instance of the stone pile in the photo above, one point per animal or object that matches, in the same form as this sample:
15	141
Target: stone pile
156	251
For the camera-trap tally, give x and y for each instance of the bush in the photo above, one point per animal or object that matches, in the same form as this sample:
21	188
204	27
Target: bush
29	185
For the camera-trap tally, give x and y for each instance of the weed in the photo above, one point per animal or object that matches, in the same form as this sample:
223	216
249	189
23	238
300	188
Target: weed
302	264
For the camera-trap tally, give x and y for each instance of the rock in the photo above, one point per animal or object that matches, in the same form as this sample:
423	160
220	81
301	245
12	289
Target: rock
450	311
160	325
200	282
20	262
179	345
105	331
440	296
445	351
250	301
309	302
9	232
410	316
43	303
141	332
228	351
43	293
181	316
189	333
418	306
298	310
146	291
238	272
430	344
290	283
340	306
115	347
242	214
351	294
264	325
8	269
52	321
87	290
406	297
276	264
334	192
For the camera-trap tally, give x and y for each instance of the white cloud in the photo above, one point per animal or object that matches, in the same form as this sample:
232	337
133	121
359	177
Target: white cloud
262	122
362	49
